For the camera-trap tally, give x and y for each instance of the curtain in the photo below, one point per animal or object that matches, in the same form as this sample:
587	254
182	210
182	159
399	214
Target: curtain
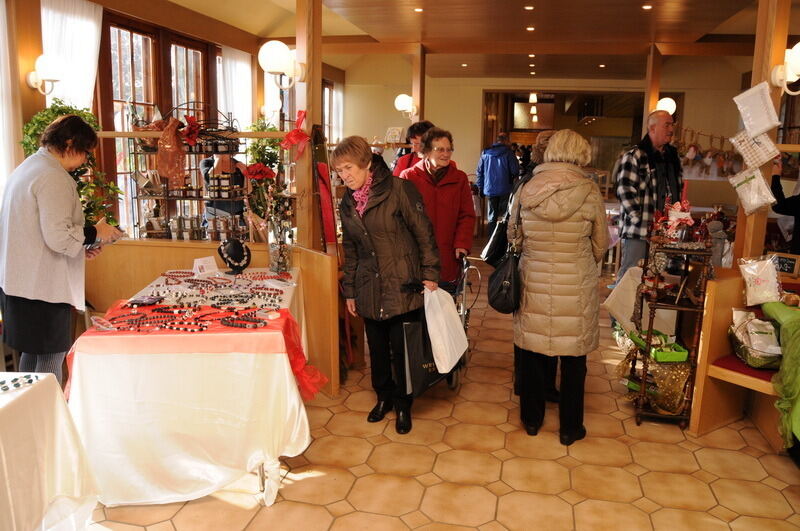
71	35
11	121
235	86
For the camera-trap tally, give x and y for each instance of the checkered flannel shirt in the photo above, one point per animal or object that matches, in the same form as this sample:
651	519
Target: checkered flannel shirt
636	191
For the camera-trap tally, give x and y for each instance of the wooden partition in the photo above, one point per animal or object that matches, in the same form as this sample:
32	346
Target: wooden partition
129	265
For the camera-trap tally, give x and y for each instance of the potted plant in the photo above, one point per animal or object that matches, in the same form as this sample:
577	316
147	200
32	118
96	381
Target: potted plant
96	193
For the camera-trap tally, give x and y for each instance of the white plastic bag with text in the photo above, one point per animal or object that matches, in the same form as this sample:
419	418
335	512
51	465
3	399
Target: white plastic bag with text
448	339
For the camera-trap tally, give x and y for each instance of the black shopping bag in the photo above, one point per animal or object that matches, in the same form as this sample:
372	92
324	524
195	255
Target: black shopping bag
421	373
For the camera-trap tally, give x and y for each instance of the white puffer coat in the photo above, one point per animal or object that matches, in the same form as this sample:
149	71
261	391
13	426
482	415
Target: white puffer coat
563	235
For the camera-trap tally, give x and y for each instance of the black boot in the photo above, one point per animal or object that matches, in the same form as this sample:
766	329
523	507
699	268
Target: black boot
403	422
569	438
552	395
379	411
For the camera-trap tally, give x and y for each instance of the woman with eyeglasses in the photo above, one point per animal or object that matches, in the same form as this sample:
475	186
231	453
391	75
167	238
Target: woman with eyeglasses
43	244
448	202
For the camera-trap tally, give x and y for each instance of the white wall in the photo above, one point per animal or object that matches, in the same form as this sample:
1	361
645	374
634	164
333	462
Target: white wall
372	83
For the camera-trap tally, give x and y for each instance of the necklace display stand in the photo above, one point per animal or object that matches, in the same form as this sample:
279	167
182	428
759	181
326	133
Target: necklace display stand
235	254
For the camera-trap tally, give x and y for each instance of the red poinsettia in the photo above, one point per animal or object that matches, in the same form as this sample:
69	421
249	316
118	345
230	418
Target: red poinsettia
259	171
191	131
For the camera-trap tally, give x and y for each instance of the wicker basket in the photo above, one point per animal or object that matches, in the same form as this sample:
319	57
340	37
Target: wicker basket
750	356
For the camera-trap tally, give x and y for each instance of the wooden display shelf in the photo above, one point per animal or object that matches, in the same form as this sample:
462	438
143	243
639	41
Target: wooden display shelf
731	369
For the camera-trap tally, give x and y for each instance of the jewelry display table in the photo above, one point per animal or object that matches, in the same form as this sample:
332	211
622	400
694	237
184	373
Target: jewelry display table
45	479
172	411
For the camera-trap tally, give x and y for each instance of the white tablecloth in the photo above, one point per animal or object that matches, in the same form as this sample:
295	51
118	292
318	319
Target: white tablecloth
161	428
45	481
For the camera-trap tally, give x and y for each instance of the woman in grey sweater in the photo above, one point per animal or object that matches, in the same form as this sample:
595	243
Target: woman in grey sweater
43	244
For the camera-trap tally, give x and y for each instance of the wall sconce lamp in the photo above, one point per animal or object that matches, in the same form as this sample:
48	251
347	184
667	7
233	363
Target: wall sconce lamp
277	59
535	118
789	71
45	75
534	111
667	104
405	104
532	98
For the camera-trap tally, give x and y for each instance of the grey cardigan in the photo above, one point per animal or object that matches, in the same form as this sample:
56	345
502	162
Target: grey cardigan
41	233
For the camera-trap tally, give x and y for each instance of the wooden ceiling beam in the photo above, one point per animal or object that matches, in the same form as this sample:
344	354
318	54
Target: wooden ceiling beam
706	48
549	48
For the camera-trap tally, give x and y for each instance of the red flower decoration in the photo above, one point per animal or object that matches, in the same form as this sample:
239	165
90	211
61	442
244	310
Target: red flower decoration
259	171
191	131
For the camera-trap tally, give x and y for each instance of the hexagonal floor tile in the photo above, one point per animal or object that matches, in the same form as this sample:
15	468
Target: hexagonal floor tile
474	437
481	392
317	484
490	375
662	457
534	475
480	413
672	519
464	466
600	425
595	384
467	505
724	438
486	359
545	445
317	416
524	511
431	408
653	431
597	515
323	400
748	523
292	515
143	515
493	345
678	491
751	499
385	494
423	431
599	403
354	424
362	401
368	522
605	483
336	450
730	464
601	451
782	468
402	459
221	510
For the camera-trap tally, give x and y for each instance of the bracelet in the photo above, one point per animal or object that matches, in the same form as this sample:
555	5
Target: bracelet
242	322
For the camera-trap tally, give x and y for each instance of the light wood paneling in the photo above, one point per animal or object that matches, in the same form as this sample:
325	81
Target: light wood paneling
25	37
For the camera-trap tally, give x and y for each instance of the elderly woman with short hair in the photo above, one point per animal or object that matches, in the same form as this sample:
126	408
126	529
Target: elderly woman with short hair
563	237
389	254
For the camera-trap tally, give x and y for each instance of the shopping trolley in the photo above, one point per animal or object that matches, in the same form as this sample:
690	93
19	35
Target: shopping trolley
462	295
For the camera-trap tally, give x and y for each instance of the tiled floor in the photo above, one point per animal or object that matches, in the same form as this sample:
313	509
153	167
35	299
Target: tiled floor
467	464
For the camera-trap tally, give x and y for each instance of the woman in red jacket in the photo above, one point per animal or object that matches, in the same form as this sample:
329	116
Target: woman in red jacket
448	202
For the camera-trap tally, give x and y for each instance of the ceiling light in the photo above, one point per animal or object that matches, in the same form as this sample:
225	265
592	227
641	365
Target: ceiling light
531	65
530	28
647	7
535	118
464	65
532	98
418	10
667	104
528	8
531	55
534	110
602	66
533	73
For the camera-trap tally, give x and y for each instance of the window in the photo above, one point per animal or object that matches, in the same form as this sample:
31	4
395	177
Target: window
188	86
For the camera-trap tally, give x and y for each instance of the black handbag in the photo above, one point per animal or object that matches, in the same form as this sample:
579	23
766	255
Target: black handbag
498	243
504	282
421	372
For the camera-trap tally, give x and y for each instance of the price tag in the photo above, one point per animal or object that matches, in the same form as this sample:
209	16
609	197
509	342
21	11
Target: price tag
207	264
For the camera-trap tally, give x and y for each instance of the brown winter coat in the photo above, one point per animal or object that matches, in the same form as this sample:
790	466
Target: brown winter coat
389	250
563	236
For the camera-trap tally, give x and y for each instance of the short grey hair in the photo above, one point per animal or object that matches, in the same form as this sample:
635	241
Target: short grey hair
652	118
568	146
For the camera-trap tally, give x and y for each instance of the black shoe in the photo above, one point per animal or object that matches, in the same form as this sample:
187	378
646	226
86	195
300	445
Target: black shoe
531	429
379	411
403	422
567	439
552	395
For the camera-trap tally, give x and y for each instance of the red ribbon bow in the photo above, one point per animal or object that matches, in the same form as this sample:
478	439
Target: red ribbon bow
191	131
297	137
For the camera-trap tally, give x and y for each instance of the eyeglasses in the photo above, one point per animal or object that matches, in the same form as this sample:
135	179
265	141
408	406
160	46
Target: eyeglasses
444	149
17	382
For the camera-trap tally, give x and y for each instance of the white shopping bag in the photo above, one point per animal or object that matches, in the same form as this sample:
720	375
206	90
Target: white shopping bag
448	339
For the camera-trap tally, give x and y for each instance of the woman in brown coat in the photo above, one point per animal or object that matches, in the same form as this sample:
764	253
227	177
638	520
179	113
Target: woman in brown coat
389	254
563	236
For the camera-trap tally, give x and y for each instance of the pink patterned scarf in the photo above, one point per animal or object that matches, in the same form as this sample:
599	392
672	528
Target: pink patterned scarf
362	195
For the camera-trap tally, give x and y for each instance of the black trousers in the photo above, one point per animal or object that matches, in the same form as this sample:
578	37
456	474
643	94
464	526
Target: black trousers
534	368
387	358
551	370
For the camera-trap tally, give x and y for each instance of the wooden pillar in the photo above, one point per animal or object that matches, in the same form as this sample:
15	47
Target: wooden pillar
259	92
25	37
418	81
772	31
308	96
652	84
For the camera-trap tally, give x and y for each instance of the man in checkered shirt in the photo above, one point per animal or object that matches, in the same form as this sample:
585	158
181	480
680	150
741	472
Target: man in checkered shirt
646	175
